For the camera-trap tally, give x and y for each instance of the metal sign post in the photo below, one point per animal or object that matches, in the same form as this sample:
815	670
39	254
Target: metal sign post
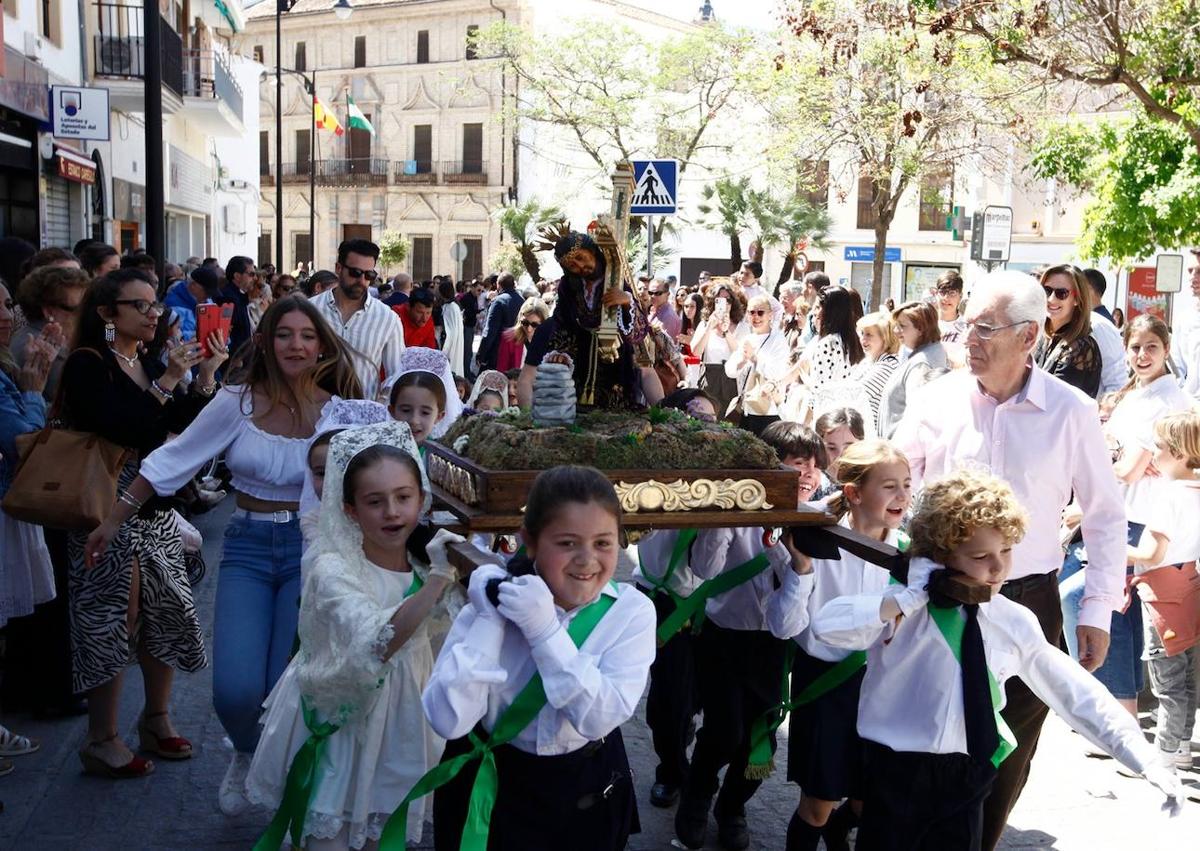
458	253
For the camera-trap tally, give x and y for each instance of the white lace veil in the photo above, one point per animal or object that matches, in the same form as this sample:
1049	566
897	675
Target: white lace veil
490	379
435	362
342	627
338	414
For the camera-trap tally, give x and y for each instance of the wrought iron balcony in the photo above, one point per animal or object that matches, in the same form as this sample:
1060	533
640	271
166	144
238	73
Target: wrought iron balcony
468	172
120	46
207	75
419	172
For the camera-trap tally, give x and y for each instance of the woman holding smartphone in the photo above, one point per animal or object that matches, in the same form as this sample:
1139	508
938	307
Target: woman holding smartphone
715	340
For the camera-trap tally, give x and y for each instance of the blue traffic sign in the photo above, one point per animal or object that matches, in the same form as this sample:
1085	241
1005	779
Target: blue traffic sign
866	254
655	184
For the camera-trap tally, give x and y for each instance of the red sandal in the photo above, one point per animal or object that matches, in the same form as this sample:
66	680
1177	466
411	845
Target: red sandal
93	764
168	747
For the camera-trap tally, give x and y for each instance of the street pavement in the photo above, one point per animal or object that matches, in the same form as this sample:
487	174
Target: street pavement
1073	801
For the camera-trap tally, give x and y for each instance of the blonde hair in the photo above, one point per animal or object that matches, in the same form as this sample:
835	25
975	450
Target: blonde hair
881	321
531	305
951	509
1180	434
855	465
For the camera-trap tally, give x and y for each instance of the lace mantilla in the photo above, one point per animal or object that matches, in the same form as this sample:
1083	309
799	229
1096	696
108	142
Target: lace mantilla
435	362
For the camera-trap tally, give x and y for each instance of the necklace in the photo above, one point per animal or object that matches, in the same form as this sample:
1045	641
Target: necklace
129	362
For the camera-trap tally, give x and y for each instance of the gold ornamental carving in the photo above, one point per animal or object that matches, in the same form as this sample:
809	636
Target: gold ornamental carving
742	494
453	479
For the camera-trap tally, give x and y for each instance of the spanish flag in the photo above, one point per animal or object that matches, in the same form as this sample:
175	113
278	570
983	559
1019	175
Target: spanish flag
324	117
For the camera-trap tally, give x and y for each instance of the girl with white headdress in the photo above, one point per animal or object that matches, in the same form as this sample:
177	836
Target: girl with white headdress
343	729
490	383
423	394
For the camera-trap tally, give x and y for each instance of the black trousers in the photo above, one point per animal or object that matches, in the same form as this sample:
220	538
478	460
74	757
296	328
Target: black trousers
922	801
1023	712
38	655
673	700
740	673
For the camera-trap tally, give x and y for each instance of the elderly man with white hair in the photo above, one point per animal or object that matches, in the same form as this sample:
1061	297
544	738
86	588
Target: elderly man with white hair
1043	437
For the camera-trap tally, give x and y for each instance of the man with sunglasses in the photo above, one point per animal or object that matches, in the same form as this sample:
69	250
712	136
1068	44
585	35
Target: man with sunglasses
661	313
240	279
367	325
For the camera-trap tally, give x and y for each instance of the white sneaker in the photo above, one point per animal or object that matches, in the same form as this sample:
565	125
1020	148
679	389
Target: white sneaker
1182	757
232	795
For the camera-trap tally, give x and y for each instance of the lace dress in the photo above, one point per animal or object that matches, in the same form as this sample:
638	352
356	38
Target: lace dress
1078	363
373	760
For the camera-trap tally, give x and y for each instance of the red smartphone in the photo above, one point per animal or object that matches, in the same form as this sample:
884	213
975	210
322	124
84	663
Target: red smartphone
210	318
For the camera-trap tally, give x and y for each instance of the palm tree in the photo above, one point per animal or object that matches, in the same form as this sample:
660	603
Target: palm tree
725	207
522	222
635	245
799	222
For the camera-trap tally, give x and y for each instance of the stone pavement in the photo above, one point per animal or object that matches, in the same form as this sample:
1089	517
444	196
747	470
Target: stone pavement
1073	802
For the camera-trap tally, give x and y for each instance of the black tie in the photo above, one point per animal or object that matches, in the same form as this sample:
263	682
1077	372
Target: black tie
978	713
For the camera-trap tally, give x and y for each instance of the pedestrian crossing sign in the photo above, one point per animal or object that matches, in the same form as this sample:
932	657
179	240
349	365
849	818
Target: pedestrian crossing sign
655	184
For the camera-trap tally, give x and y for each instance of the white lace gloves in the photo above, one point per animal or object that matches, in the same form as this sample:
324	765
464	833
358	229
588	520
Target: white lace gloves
914	596
477	589
1167	781
528	603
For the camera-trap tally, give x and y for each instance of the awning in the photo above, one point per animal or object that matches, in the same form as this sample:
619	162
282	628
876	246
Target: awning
75	167
228	14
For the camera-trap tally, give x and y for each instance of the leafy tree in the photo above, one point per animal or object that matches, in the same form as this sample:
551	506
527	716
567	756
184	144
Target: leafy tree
797	223
521	222
393	249
509	257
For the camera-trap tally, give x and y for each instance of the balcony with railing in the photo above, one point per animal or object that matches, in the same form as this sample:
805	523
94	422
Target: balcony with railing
213	98
416	172
119	59
356	171
464	172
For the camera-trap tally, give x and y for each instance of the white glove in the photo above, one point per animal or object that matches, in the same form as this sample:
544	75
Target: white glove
439	560
914	596
528	603
1167	781
477	589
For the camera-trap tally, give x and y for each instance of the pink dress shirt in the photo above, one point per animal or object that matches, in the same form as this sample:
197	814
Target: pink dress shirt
1046	443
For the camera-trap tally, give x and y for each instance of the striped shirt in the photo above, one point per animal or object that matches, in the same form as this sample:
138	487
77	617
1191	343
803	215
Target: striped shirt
374	335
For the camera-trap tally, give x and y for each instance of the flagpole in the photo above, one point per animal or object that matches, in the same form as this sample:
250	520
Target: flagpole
279	136
312	183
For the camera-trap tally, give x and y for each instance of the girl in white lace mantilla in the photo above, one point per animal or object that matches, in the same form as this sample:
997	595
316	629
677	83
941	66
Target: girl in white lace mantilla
367	609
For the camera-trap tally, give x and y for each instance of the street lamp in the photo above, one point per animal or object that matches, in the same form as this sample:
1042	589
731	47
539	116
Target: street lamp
342	9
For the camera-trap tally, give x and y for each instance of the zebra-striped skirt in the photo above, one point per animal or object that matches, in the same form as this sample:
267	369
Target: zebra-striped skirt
166	627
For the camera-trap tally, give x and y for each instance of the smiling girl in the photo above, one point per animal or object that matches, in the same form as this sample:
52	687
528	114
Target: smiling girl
355	686
824	750
563	776
929	722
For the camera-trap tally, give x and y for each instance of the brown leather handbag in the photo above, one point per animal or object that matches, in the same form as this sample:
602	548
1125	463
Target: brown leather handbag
66	479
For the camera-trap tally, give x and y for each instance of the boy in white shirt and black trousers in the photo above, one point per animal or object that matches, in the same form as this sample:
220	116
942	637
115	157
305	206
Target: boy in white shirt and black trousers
929	712
740	656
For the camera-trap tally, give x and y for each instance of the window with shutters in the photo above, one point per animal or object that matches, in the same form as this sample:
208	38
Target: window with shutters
264	152
360	51
257	53
472	34
422	47
812	182
301	63
937	193
422	258
423	148
303	249
867	217
472	149
473	262
360	149
303	151
264	249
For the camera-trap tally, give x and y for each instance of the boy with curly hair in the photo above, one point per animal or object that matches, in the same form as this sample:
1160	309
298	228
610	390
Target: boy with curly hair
929	711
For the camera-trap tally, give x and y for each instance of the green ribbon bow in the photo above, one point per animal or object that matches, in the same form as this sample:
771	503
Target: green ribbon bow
304	773
952	626
519	715
678	552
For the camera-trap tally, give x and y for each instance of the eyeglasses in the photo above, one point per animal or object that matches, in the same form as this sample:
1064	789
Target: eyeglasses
986	332
142	306
529	326
657	292
369	274
284	288
758	312
948	292
1060	293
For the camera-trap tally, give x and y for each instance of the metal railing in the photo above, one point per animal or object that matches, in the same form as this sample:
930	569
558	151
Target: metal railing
464	171
207	75
416	172
344	171
120	45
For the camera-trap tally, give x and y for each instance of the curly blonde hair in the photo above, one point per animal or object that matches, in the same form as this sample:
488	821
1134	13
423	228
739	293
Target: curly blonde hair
951	509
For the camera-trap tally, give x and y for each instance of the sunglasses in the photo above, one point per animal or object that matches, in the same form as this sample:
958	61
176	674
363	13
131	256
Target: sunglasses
369	274
657	292
1060	293
142	306
758	312
526	324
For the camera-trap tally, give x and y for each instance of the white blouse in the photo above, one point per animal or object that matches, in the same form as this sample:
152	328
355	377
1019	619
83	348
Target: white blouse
1131	426
265	466
590	690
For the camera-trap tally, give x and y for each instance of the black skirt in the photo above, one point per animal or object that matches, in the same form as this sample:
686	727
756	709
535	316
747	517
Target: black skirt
583	801
824	749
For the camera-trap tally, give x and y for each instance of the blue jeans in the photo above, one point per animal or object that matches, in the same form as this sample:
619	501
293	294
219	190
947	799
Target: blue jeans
1122	672
258	597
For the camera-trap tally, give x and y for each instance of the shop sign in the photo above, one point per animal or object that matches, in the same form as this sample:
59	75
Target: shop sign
79	112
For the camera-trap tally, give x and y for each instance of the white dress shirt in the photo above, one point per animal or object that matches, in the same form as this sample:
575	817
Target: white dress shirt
830	579
374	334
590	690
1114	372
654	555
773	600
1046	443
1185	347
772	358
912	698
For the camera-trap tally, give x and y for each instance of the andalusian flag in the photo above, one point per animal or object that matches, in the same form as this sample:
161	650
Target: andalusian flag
324	117
357	121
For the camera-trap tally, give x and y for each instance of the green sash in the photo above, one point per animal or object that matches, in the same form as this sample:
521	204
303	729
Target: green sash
305	771
682	544
519	715
693	605
951	627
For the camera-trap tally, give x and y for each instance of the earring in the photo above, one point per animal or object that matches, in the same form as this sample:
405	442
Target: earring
320	356
110	332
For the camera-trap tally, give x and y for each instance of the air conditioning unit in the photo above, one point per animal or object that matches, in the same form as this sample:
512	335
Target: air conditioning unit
116	56
34	45
234	216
